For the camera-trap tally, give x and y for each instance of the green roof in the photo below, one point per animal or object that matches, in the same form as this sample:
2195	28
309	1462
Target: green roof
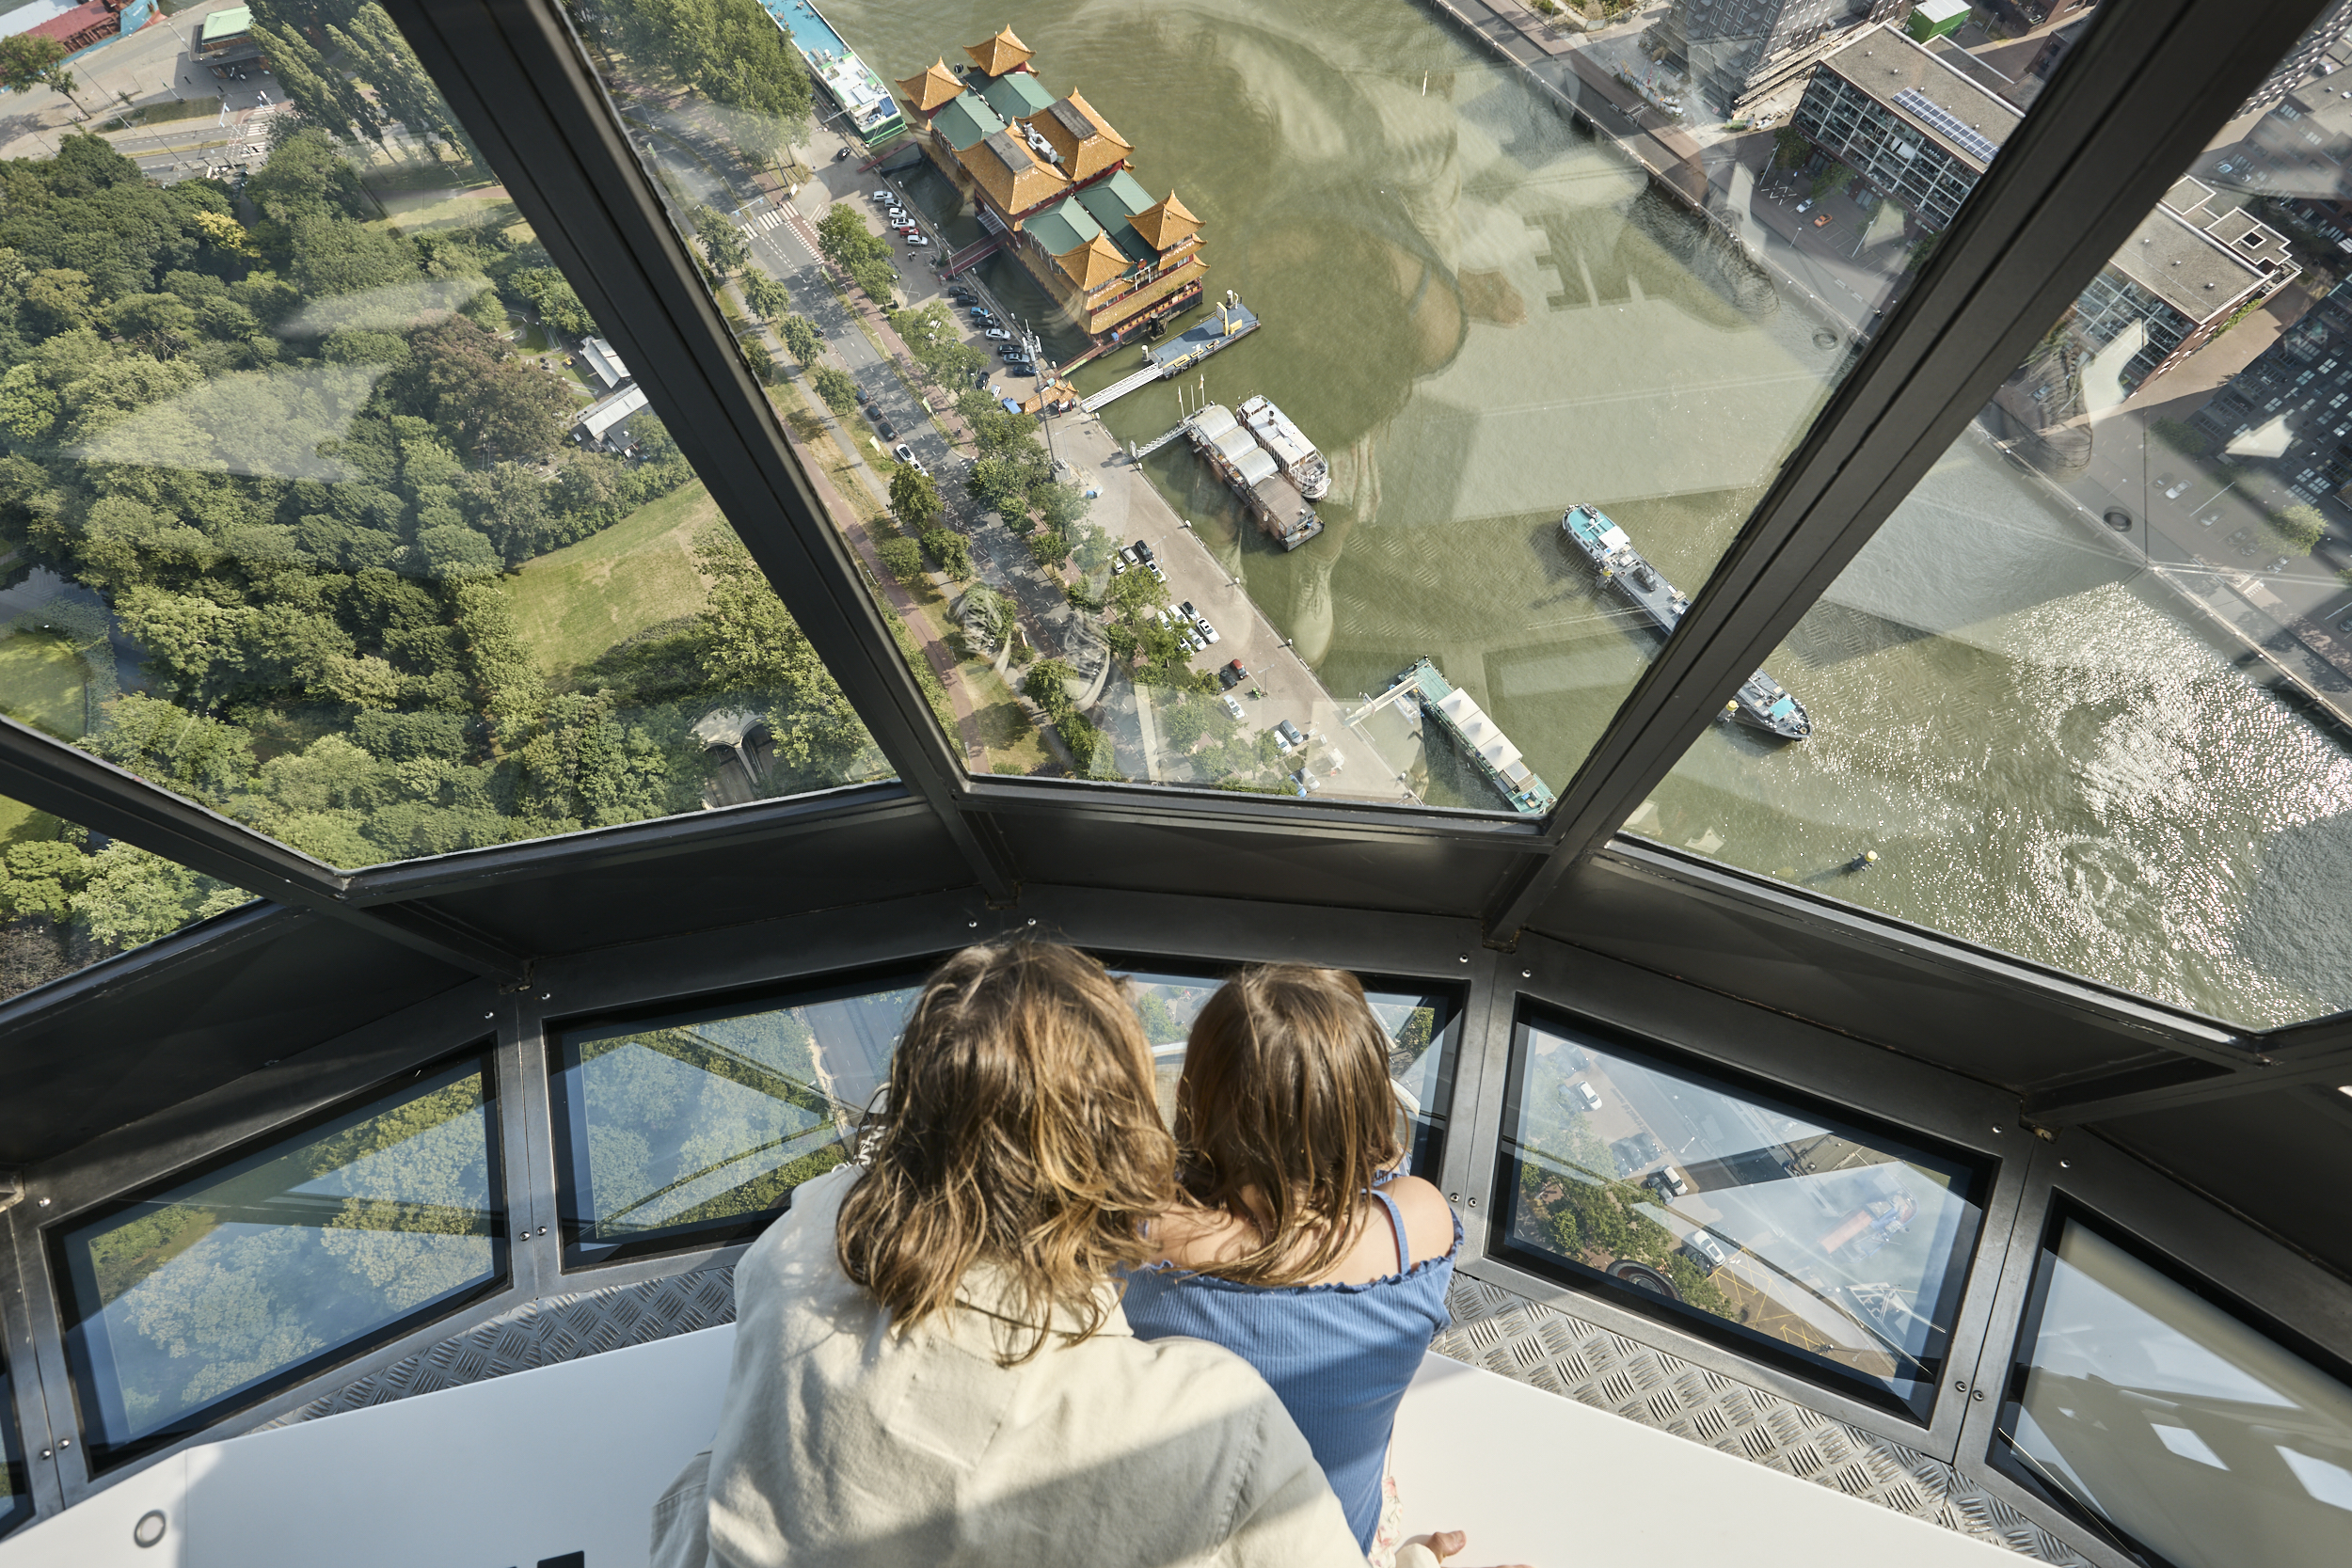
1113	201
1061	228
1016	95
229	23
963	120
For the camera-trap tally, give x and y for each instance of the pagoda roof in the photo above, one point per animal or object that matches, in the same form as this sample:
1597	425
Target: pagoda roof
1166	224
1012	177
1000	54
964	121
1083	138
1063	228
933	87
1095	265
1114	202
1017	96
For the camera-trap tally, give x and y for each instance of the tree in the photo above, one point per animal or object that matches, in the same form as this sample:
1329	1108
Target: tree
553	300
1050	549
489	402
28	62
2299	529
764	296
1789	148
903	556
914	497
722	242
846	241
951	550
880	280
801	335
834	385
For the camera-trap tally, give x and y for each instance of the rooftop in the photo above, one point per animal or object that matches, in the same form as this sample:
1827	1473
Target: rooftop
1083	138
228	24
964	120
1114	203
1017	96
1167	223
1012	176
1951	110
2191	256
1063	228
934	87
1000	55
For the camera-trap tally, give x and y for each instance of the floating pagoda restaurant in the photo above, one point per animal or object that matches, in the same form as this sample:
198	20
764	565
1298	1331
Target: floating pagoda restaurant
860	94
1050	181
1458	714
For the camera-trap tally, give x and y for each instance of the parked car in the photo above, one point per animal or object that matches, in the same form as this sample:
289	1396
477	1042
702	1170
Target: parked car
882	429
902	225
1226	677
841	155
1020	368
1186	610
1127	554
1208	632
1297	788
1240	669
1667	1183
2170	486
1706	1251
1233	704
2345	625
1803	207
1287	733
917	241
961	295
1154	567
893	214
981	313
904	453
1143	550
885	196
2277	565
1822	219
997	335
1588	1096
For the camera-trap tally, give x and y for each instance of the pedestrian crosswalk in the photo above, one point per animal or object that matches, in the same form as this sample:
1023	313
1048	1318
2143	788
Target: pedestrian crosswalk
761	222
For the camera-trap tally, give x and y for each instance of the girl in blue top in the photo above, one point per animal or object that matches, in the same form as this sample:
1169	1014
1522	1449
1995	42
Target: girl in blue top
1300	1248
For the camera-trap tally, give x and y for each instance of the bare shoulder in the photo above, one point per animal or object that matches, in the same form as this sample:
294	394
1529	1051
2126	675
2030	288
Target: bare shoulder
1428	1218
1193	1238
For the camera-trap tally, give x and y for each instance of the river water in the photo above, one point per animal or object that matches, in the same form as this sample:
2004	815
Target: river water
1482	316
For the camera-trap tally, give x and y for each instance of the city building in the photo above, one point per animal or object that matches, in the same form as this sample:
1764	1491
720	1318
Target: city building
2296	156
2320	51
1736	50
1051	181
1913	128
1931	20
861	96
2192	266
2292	407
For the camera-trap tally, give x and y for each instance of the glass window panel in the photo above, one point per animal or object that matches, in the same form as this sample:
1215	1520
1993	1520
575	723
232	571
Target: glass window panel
324	503
69	897
1472	291
1839	1248
2084	697
691	1128
1425	1027
210	1291
2203	1441
16	1493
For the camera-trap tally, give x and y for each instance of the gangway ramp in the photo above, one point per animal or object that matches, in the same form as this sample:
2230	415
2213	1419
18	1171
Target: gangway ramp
1118	389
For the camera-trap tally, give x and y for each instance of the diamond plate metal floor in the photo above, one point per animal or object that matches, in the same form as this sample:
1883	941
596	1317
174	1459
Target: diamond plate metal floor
1529	1342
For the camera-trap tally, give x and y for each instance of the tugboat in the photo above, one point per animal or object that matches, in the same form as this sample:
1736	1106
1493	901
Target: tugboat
1760	702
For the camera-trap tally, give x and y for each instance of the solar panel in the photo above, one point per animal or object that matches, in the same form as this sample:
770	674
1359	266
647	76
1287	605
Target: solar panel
1913	101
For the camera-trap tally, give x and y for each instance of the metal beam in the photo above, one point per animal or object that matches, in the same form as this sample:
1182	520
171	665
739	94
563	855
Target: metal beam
67	782
518	79
2134	103
2314	1053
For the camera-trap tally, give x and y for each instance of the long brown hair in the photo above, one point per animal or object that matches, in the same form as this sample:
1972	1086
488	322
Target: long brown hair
1019	1129
1285	1093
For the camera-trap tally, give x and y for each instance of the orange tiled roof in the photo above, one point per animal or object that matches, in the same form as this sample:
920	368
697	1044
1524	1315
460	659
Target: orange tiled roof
1167	224
1012	176
1083	138
1094	263
932	89
1000	54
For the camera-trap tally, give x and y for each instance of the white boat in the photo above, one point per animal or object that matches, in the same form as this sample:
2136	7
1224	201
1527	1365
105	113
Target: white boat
1289	444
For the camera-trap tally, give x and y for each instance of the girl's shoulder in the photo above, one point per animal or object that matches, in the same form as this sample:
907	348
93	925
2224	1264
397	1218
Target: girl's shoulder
1428	1217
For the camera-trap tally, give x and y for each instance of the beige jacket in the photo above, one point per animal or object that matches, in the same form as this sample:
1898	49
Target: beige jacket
842	1444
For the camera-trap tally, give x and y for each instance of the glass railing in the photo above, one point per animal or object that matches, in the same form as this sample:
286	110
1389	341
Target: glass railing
212	1290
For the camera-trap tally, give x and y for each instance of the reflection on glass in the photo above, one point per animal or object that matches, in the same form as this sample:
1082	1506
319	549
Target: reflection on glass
1421	1063
219	1287
697	1126
69	897
1448	296
1847	1246
2205	1443
324	503
2085	696
16	1497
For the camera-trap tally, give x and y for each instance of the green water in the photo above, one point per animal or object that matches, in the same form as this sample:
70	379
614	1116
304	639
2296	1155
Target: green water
1482	317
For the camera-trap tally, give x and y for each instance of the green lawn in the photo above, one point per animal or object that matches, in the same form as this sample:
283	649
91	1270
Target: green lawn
579	601
40	684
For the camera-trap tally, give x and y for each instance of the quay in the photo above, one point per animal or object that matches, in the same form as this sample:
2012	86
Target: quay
1474	735
1232	321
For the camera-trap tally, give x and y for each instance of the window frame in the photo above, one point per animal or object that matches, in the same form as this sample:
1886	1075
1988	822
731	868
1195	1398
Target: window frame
1982	1173
81	1373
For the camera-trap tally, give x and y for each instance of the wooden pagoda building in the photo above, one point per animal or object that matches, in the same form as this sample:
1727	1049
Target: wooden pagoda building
1050	179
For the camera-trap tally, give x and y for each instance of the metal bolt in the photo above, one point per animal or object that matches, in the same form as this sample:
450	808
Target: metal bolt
64	1443
543	1230
1466	957
1474	1203
44	1453
44	1203
545	994
490	1015
1997	1131
1960	1386
1977	1396
1527	974
1032	920
1453	1197
973	925
2063	1165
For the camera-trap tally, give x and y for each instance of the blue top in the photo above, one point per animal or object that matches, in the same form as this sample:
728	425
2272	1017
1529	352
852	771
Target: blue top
1338	1356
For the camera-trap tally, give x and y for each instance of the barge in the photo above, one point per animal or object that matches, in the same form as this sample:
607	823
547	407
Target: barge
1289	444
1273	497
1474	735
1761	701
